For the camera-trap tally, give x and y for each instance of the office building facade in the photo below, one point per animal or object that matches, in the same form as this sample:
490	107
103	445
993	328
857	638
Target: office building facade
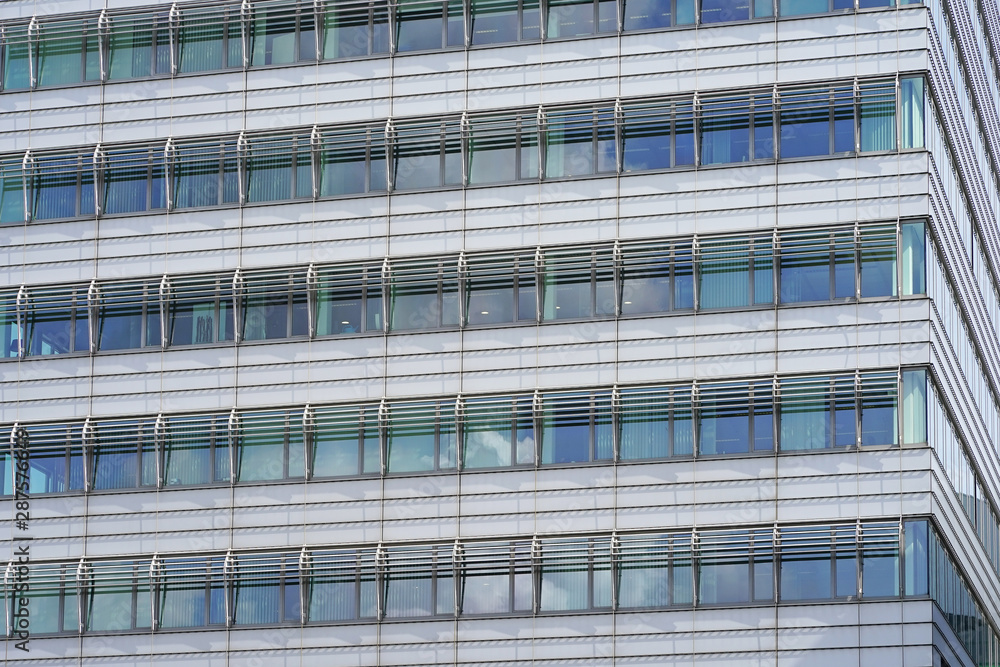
648	332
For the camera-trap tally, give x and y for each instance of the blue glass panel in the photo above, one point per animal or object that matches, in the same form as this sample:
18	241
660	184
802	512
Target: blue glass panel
719	11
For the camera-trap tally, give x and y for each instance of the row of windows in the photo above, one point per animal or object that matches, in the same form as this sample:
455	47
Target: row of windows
737	417
541	575
502	147
953	453
130	44
468	290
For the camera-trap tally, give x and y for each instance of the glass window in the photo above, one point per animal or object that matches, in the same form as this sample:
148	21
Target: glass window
352	162
201	312
572	18
191	593
877	117
575	574
805	415
279	169
496	578
205	175
53	600
500	289
62	187
124	455
818	267
916	554
421	437
879	416
196	450
878	262
503	150
655	571
68	53
580	143
419	581
10	326
210	39
648	14
275	306
349	301
578	285
914	406
55	463
817	122
16	58
133	181
818	563
11	192
913	256
423	25
345	442
428	156
353	31
657	279
658	136
57	323
735	419
128	317
576	428
499	21
880	561
282	35
735	272
721	11
498	432
266	590
799	7
424	296
912	109
735	567
655	423
139	47
118	598
342	586
270	446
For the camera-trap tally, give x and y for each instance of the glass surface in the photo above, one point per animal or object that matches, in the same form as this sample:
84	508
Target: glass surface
120	322
206	176
344	167
183	602
197	316
725	133
879	418
723	579
805	126
273	37
880	572
16	59
419	25
333	590
724	426
570	18
647	140
209	41
55	327
799	7
878	267
644	424
806	574
912	106
805	418
494	21
724	275
256	597
63	188
647	14
877	118
67	53
720	11
11	193
355	31
644	577
492	157
566	430
188	458
412	443
340	305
